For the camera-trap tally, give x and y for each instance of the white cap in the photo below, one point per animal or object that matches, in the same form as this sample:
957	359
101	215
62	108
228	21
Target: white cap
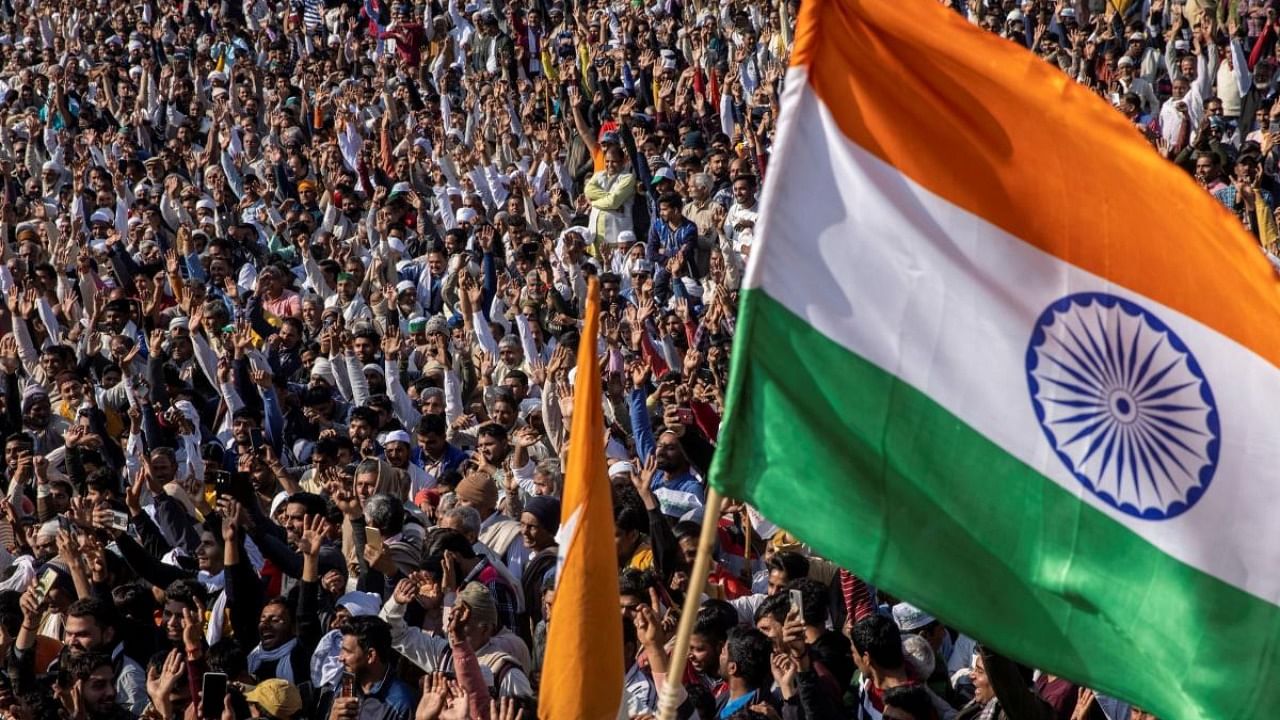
394	436
909	617
360	603
205	203
466	215
102	216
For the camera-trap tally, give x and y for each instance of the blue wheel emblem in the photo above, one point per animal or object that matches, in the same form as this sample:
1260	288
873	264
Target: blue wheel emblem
1124	404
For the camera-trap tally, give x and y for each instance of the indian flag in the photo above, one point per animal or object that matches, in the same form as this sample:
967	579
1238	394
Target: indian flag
1001	359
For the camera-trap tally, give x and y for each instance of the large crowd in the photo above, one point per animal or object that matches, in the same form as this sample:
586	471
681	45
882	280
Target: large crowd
292	302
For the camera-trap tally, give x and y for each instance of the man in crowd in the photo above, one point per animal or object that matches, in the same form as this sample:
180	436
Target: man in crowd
292	297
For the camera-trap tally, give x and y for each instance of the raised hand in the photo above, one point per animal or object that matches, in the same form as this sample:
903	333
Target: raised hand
391	344
644	481
485	237
68	548
428	591
314	529
526	437
9	354
506	708
348	503
1084	702
405	592
458	620
640	371
232	518
648	629
379	559
435	695
193	626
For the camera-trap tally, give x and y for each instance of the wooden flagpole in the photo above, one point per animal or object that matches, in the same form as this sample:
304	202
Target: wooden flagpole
668	702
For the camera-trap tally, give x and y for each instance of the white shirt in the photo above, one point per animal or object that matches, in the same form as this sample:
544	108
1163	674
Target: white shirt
737	213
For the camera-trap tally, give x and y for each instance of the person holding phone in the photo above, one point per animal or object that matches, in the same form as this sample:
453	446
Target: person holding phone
673	479
368	687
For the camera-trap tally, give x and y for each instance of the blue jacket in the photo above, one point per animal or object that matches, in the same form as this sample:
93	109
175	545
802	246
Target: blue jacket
390	699
675	495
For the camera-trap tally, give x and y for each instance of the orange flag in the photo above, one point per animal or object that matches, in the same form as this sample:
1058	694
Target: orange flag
582	675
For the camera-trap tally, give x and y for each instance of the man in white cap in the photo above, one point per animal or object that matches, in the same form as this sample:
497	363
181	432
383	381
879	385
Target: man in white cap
326	667
1147	61
101	222
466	217
953	650
398	448
1130	82
405	305
52	175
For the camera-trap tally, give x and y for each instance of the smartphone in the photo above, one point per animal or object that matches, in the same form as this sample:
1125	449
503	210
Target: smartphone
213	691
372	537
684	416
797	602
257	440
221	481
119	520
45	584
348	689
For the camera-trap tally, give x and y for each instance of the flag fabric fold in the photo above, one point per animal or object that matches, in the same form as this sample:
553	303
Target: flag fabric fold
999	358
582	675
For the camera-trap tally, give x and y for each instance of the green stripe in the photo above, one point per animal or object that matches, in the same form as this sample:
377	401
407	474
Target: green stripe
879	478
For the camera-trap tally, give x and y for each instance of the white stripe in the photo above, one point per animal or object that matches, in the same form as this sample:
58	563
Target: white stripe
565	536
947	301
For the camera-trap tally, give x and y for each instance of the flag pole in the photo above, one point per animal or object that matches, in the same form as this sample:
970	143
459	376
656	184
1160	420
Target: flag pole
668	703
784	23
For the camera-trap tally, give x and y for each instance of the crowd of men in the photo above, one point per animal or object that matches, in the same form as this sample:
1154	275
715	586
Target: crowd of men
292	300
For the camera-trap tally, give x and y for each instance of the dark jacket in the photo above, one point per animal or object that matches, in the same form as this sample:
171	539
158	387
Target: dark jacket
391	699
